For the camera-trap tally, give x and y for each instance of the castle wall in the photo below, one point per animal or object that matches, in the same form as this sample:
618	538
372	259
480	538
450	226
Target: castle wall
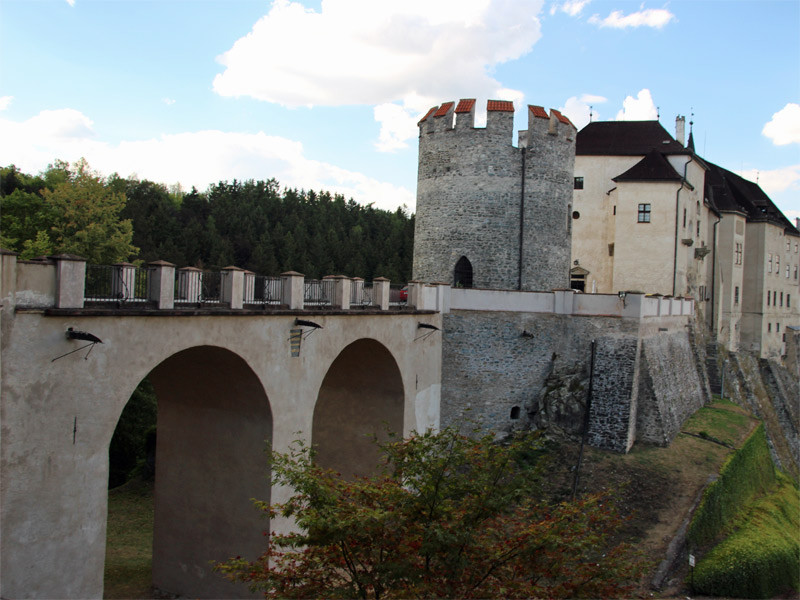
510	369
470	199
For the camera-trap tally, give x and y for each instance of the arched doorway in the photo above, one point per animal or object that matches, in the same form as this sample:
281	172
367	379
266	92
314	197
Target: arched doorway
462	274
213	427
361	396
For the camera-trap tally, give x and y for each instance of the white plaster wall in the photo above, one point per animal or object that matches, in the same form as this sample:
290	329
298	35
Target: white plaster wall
53	500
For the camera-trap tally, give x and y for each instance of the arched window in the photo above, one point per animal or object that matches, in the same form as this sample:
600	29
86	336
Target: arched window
462	276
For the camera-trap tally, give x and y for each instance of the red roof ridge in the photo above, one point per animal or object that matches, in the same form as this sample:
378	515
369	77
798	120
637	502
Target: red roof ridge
427	114
500	106
443	109
538	111
561	117
465	105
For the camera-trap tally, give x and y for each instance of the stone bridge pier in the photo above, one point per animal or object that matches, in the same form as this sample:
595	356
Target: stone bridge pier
231	386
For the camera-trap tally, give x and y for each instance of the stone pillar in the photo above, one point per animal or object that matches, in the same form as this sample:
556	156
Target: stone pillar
233	287
292	294
563	301
249	287
70	280
341	291
380	292
442	297
123	281
162	284
8	279
190	284
415	294
357	292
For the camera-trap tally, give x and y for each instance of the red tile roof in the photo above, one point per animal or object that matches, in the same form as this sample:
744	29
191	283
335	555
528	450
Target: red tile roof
500	106
560	117
443	109
538	111
427	114
465	105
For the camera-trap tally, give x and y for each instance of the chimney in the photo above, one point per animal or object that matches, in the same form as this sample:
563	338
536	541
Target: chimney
680	129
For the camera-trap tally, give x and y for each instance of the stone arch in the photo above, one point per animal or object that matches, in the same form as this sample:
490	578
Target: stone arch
214	425
361	395
462	274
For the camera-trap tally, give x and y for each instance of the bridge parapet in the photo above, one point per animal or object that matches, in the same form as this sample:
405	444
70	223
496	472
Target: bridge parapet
67	281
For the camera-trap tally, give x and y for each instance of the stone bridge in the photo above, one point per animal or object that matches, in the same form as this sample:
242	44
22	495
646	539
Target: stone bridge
232	383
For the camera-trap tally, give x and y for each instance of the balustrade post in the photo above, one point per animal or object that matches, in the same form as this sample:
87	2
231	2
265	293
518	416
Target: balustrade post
341	291
123	281
380	292
162	284
70	280
190	284
415	294
249	294
233	287
357	291
292	290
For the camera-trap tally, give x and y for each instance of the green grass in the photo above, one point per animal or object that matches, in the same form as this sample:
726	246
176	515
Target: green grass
722	420
129	541
761	558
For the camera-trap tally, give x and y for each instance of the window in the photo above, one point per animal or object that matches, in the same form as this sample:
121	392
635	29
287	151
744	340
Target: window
777	265
769	264
698	227
736	295
788	301
577	183
738	253
767	297
777	327
644	213
795	271
774	298
684	217
781	298
462	276
795	248
788	245
577	215
769	327
787	271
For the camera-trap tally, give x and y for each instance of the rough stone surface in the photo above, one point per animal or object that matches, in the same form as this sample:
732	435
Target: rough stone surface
470	202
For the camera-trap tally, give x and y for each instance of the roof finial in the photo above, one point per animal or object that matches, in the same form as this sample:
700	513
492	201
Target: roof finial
591	114
691	119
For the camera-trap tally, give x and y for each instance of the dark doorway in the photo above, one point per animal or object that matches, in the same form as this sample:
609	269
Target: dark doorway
462	276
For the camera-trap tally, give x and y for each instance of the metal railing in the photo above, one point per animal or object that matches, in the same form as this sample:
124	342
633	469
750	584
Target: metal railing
116	283
361	295
265	290
193	286
318	292
398	295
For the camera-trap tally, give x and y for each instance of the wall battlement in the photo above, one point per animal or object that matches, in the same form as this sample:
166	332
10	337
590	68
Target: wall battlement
504	211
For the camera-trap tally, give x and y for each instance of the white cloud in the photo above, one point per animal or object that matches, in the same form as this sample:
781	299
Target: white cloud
577	109
168	101
641	108
196	158
5	102
379	53
784	128
572	7
71	2
651	17
774	181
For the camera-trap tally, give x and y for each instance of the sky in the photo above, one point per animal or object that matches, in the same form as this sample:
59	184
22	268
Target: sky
326	95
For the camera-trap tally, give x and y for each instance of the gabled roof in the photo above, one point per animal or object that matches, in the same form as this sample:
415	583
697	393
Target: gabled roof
729	192
653	167
625	138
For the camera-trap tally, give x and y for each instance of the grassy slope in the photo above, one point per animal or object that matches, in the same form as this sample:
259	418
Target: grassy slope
130	541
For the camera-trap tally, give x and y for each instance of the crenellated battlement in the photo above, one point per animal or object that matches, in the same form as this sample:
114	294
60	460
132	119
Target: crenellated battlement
460	118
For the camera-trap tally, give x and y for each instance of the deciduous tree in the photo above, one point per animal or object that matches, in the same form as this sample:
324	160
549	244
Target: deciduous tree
447	517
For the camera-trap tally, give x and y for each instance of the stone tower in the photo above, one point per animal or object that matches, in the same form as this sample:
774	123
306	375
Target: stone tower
489	214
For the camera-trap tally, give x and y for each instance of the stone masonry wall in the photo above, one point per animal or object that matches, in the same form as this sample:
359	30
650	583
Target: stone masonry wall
503	371
469	190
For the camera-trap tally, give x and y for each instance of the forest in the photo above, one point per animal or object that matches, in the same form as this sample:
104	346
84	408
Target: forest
255	225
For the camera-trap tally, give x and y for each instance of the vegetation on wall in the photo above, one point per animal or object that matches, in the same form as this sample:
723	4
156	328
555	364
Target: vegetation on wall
253	225
448	517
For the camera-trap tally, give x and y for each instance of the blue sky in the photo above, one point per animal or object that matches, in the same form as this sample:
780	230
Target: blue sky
326	95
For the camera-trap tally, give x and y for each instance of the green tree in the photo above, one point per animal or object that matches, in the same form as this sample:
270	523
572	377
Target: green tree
448	517
87	218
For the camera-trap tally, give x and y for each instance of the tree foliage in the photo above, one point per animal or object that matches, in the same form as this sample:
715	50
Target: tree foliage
447	517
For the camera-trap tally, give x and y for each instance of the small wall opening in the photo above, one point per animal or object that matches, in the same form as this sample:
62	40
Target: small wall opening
514	412
462	274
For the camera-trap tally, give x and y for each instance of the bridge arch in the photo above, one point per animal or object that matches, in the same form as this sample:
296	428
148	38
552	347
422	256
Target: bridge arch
214	425
361	395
